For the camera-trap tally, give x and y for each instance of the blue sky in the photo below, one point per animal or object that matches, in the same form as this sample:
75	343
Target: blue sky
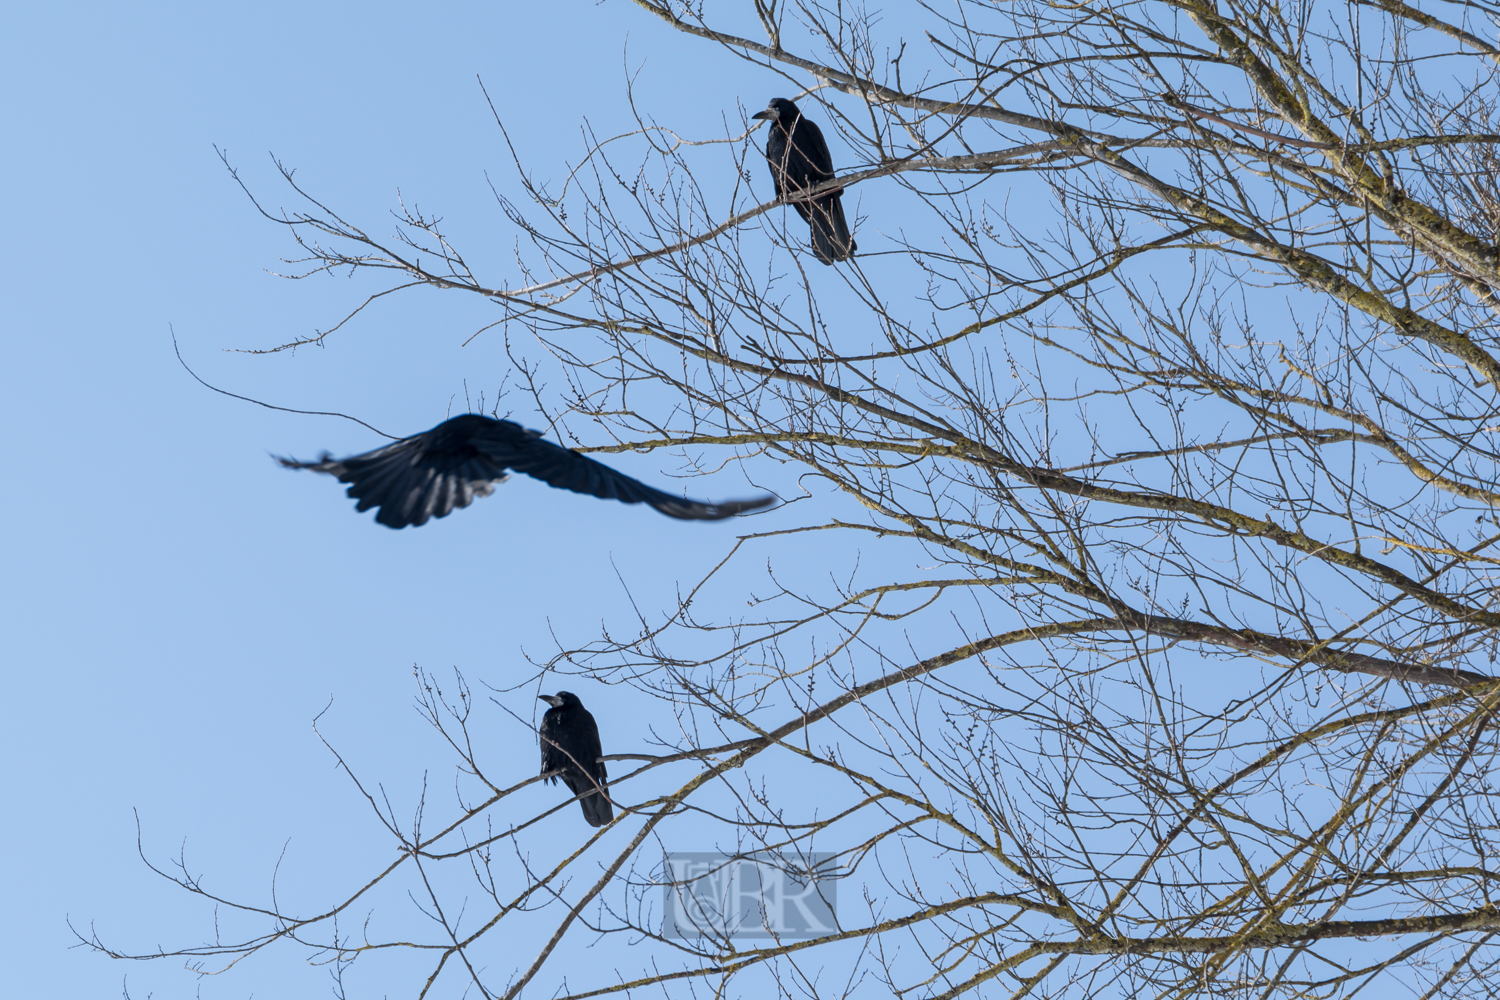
176	608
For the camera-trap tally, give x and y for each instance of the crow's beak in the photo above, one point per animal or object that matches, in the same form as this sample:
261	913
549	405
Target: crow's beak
770	115
550	699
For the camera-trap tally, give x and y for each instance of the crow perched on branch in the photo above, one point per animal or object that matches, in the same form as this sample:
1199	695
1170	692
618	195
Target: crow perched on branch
570	744
799	160
438	471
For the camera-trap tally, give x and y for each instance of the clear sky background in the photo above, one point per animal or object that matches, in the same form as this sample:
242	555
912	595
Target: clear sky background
176	609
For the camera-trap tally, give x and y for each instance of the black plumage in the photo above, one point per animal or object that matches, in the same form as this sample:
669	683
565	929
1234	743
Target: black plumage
570	744
436	472
799	160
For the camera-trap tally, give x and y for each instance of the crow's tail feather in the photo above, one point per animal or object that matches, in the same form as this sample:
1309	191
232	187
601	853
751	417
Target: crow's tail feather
830	231
595	801
596	809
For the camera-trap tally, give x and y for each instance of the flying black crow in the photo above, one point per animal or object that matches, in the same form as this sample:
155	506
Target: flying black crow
570	744
799	160
433	473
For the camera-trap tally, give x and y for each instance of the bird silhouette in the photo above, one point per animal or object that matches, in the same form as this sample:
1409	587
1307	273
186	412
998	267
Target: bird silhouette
800	160
570	744
448	467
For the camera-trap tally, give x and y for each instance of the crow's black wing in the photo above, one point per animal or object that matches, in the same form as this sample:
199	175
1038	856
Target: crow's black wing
424	476
799	161
591	749
830	231
448	467
809	140
565	469
596	807
786	176
796	163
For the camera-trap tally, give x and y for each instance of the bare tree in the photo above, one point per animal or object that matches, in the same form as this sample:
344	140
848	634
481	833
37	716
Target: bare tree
1155	657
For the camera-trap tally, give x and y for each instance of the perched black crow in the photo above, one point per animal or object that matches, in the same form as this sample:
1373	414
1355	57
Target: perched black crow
570	744
799	160
433	473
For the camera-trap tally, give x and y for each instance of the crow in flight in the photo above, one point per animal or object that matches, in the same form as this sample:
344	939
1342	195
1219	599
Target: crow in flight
570	744
799	160
433	473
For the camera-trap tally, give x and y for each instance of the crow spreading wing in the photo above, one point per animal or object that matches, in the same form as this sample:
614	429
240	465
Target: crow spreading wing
436	472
